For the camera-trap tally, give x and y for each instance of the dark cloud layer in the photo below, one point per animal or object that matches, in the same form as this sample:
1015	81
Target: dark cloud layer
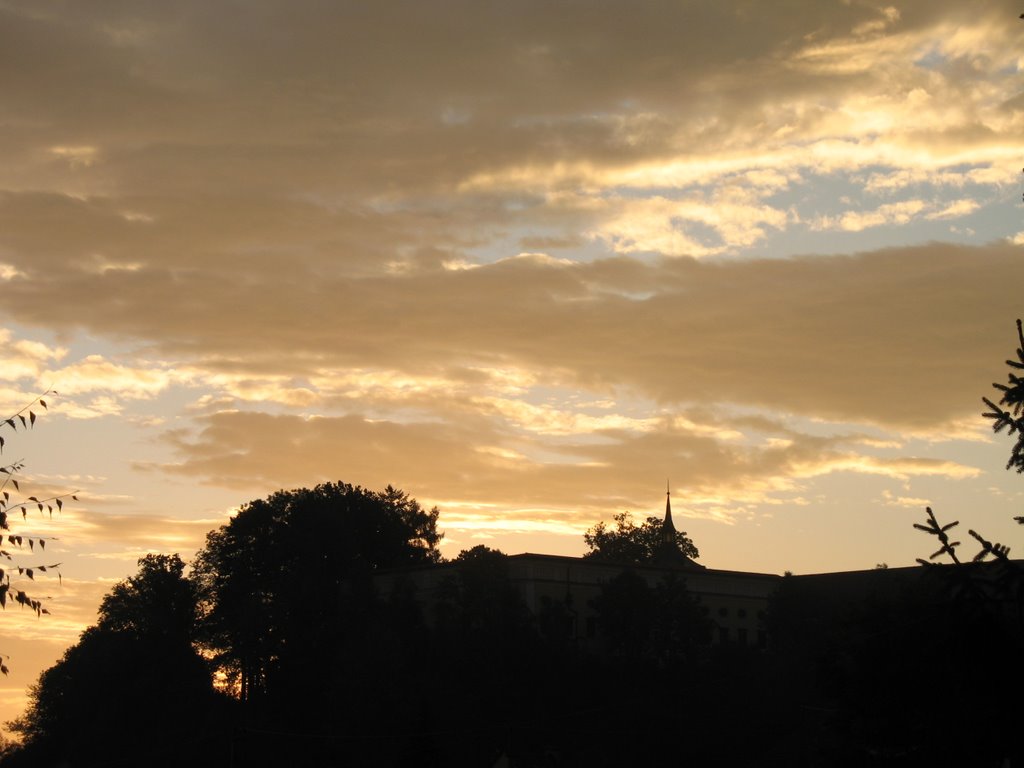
903	337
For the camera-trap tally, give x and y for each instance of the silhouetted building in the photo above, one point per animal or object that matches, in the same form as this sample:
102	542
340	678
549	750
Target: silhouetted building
735	602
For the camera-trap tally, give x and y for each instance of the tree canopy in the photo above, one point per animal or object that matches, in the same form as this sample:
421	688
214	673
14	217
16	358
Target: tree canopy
132	687
283	582
629	543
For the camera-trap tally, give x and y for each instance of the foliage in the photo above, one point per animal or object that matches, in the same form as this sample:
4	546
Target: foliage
632	544
283	583
158	602
1012	418
871	662
131	687
11	479
480	607
662	623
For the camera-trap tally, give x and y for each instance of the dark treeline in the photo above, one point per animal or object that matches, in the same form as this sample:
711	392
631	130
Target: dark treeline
277	649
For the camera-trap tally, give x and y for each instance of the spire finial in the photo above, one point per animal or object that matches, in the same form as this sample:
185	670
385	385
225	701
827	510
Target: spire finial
668	529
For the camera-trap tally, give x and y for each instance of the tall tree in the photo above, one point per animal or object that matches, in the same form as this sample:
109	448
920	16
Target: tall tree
132	689
282	585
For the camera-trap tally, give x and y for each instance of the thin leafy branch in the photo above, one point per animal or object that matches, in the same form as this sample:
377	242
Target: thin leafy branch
10	479
29	421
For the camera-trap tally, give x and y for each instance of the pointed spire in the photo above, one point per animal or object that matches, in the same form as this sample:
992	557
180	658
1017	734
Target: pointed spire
669	554
668	530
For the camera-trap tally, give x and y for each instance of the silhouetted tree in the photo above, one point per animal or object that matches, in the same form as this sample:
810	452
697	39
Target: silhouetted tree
870	664
1003	581
629	543
479	603
625	609
1012	418
661	623
157	603
132	690
286	594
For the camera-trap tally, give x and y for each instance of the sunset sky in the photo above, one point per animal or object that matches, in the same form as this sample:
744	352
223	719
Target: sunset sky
527	261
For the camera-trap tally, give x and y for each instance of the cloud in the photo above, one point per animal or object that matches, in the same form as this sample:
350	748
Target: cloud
490	473
888	214
524	261
844	338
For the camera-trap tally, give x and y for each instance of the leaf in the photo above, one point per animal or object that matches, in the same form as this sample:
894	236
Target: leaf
12	425
3	668
32	418
28	572
1	445
24	421
42	402
42	543
60	505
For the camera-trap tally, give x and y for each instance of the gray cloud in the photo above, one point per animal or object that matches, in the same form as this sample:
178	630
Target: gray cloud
905	337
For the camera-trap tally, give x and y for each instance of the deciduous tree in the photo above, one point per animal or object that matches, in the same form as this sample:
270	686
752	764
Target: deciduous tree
132	689
282	584
629	543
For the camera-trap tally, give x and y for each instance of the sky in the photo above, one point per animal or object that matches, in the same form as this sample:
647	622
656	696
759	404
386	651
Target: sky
528	262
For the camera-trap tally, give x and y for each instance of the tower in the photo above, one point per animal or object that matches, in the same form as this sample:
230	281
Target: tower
668	553
668	529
